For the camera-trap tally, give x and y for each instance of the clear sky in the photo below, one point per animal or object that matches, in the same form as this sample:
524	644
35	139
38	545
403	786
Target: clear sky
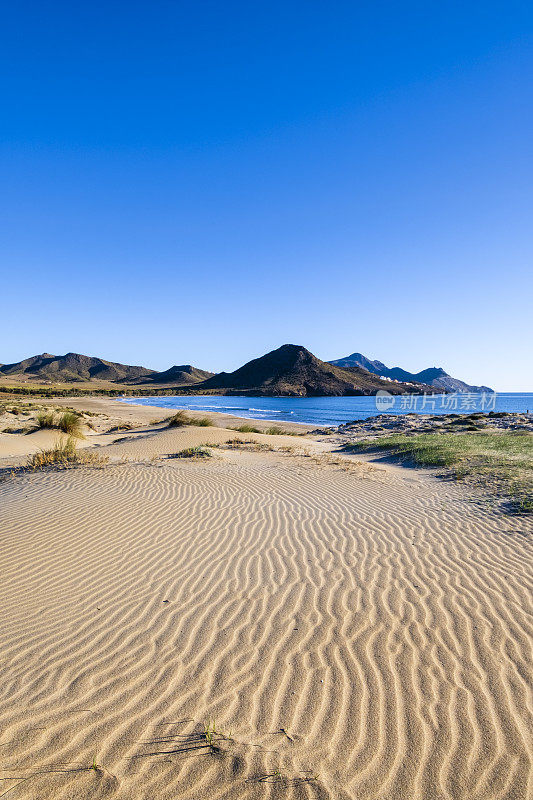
201	182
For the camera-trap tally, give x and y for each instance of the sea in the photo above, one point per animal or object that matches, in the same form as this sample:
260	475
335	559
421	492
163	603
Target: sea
333	411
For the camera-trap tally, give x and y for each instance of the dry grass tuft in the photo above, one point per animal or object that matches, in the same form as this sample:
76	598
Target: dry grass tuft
63	455
122	426
178	420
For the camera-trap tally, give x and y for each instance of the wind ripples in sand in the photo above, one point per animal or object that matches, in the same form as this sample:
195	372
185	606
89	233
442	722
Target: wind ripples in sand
360	638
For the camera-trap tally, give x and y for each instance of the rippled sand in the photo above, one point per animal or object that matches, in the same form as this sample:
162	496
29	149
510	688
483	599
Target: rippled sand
360	634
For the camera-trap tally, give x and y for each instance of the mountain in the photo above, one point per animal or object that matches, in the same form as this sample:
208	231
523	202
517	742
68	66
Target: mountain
294	371
178	376
359	360
434	376
72	367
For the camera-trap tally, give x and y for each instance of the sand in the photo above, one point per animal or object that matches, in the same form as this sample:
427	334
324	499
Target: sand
360	634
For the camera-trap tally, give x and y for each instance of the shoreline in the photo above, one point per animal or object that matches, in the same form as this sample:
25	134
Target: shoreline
223	415
340	424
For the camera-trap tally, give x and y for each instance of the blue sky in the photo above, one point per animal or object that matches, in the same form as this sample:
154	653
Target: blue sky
200	182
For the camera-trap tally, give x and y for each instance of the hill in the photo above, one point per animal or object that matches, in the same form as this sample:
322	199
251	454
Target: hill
72	367
181	375
434	376
293	371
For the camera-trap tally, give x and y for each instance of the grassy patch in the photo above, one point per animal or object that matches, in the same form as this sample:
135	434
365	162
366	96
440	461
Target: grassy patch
180	418
246	429
45	419
275	430
501	461
201	422
64	454
69	422
193	452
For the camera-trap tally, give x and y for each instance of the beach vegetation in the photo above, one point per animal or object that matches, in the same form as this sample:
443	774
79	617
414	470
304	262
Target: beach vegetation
178	420
200	451
212	735
246	429
45	419
64	454
69	422
273	430
122	426
496	460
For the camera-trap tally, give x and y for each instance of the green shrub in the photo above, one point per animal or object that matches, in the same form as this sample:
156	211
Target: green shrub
70	423
46	419
193	452
202	422
180	418
246	429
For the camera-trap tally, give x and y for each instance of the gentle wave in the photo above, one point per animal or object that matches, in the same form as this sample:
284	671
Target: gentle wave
265	410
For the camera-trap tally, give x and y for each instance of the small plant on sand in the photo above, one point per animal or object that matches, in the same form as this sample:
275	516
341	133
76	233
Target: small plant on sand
212	735
276	776
45	419
202	422
95	766
246	429
193	452
247	444
122	426
64	454
70	423
178	420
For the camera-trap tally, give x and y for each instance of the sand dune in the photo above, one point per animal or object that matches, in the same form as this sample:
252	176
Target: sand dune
363	636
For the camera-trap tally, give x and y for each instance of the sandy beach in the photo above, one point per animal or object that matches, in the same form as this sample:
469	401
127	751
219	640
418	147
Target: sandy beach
270	622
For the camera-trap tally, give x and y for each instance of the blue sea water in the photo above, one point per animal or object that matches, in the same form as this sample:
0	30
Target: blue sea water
337	410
